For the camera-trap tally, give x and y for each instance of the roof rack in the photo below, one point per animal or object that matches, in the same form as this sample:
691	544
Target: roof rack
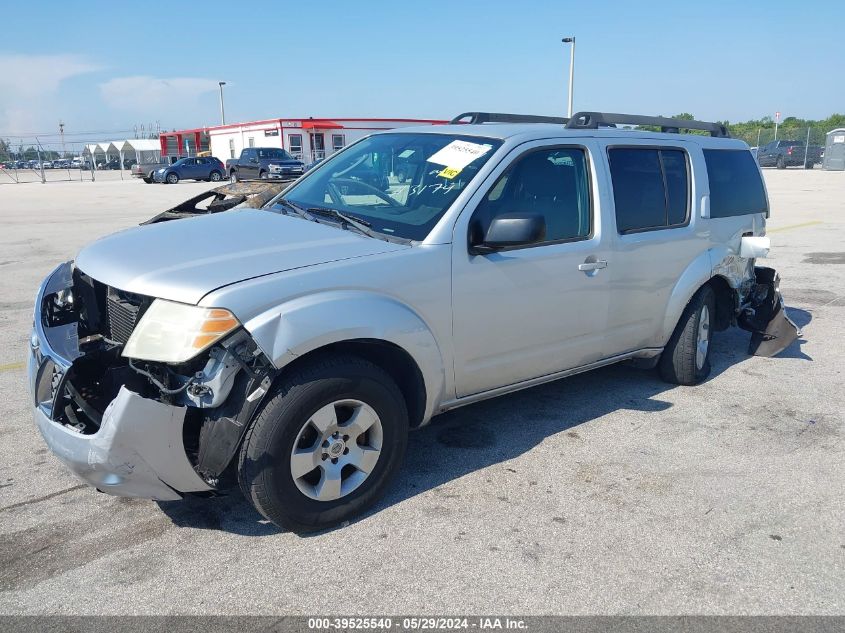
502	117
594	120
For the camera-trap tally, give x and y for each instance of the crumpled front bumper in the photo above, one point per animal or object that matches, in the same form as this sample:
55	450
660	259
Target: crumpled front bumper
137	451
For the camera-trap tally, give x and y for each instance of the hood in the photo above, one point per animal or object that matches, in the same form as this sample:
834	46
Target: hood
186	259
292	162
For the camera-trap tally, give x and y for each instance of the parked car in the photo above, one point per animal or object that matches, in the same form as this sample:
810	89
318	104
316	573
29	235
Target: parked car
147	170
202	168
785	153
263	162
295	345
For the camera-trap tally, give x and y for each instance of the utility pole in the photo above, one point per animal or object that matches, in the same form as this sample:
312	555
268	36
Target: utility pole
570	40
222	111
62	134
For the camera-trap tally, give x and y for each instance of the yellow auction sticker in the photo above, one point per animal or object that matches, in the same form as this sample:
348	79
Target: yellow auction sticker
449	172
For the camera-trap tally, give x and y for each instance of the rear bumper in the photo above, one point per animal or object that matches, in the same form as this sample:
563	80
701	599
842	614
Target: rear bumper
764	315
138	449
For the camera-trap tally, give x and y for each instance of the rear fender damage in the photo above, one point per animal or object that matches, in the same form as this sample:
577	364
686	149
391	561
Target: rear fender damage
763	314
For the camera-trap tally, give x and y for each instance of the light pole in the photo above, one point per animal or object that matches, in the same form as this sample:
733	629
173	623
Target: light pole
570	40
222	111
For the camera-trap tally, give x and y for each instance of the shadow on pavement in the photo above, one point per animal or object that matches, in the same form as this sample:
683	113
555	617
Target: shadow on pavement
477	436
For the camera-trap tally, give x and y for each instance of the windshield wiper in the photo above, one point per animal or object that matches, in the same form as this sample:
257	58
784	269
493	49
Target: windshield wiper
303	213
358	223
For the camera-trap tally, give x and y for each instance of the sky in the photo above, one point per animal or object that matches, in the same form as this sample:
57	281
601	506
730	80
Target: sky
106	67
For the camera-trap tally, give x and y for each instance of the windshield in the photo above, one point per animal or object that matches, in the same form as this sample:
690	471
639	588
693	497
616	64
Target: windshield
272	152
400	184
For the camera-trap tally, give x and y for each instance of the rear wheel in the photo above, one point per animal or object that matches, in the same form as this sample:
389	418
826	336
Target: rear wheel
781	164
326	444
686	357
172	178
215	176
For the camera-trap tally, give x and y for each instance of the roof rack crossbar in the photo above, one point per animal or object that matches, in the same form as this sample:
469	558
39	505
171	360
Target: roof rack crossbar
503	117
594	120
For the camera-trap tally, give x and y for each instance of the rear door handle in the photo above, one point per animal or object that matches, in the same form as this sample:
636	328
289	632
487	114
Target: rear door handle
590	266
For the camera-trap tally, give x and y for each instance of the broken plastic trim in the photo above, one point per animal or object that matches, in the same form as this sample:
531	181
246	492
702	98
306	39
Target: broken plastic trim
764	315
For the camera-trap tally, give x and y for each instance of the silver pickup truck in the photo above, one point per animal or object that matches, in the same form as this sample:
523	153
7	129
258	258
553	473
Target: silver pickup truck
294	346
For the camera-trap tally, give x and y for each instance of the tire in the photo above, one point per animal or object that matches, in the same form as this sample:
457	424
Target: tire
262	175
809	165
336	384
233	177
686	358
215	176
780	163
149	181
172	178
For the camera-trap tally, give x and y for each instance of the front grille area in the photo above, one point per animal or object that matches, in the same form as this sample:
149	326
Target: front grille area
122	311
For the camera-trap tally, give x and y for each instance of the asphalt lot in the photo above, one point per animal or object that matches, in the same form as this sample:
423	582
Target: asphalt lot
606	493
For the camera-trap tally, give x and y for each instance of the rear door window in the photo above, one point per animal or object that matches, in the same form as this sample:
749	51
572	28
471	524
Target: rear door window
736	187
650	188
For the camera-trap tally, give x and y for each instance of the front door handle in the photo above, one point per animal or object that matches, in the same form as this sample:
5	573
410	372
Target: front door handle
591	266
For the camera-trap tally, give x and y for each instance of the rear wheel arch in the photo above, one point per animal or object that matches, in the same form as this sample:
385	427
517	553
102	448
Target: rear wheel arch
726	303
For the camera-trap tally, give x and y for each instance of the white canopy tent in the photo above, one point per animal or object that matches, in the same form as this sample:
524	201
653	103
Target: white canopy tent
145	150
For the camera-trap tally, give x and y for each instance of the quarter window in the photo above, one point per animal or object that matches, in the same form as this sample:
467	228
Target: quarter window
650	188
551	183
736	187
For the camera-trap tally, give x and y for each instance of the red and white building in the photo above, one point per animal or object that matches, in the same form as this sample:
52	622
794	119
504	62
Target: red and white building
307	139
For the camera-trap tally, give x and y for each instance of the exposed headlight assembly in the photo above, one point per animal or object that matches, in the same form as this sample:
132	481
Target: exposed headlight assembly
172	332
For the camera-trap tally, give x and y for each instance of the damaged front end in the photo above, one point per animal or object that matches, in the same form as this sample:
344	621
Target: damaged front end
134	427
763	314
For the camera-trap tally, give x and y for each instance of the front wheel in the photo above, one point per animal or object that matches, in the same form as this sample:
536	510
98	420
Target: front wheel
263	175
326	444
172	178
686	357
149	181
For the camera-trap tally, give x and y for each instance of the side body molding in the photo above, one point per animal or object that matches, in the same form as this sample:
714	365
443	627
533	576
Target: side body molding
307	323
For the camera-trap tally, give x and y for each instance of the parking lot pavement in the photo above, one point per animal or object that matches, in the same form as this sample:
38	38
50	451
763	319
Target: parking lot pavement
609	492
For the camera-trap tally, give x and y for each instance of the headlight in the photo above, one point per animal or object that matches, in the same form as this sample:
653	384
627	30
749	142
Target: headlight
174	332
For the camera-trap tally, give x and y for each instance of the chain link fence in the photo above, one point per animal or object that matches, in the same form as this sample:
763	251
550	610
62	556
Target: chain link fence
33	160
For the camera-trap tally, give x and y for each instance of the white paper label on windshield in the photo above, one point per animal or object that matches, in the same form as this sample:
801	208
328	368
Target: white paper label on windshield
407	153
459	154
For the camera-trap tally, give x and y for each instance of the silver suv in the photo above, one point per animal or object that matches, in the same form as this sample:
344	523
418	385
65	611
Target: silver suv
294	346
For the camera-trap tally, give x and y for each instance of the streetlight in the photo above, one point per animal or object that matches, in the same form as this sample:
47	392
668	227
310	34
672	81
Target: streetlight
570	40
222	111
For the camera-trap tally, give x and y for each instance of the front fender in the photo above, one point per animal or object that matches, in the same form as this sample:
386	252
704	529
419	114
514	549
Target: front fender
310	322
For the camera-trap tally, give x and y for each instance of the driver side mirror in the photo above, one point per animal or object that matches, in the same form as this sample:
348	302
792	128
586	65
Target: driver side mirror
508	230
